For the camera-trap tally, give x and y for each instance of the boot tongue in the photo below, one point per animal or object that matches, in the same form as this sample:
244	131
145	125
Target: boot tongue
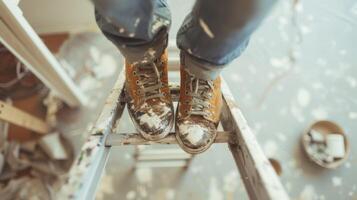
149	80
200	91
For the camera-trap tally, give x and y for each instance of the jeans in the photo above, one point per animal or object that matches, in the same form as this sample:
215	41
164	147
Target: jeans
213	34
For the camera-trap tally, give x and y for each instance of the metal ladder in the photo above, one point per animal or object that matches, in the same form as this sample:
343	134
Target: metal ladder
259	178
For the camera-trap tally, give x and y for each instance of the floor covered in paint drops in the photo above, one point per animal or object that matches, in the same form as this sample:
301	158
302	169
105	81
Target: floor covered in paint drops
292	74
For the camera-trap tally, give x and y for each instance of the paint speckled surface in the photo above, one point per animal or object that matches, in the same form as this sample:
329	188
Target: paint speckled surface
279	100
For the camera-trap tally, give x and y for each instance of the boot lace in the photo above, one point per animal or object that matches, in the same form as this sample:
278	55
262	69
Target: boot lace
201	92
149	79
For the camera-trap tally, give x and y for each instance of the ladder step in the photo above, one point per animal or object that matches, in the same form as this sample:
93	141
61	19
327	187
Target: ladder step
163	157
156	164
120	139
162	154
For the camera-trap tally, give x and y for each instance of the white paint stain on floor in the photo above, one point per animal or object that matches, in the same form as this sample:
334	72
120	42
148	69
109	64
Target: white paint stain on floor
214	192
144	175
303	97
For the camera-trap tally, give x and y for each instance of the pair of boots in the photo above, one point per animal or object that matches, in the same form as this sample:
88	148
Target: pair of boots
151	108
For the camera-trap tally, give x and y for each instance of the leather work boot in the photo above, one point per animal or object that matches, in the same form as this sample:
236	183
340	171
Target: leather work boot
150	106
198	112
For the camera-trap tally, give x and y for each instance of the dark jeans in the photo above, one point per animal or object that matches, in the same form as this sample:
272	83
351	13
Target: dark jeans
213	34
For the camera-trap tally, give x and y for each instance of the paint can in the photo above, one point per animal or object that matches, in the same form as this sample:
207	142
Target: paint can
326	144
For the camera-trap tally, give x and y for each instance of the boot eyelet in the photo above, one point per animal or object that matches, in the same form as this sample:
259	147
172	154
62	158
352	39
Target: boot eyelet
137	82
134	73
186	92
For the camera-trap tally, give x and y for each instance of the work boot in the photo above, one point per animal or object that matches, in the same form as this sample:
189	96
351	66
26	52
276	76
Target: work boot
198	112
150	106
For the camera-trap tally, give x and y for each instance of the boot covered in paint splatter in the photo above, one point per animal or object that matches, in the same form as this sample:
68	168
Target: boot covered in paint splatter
149	101
198	112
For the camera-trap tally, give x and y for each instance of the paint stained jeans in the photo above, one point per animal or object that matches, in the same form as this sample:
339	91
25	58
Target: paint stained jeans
211	36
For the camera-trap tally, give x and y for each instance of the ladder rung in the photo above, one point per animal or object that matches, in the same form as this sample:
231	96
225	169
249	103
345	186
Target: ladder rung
120	139
155	164
164	157
162	154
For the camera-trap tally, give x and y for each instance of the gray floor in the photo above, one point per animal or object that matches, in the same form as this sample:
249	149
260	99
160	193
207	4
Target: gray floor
279	98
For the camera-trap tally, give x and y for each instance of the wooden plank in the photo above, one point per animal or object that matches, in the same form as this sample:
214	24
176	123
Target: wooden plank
121	139
18	117
259	177
43	64
87	170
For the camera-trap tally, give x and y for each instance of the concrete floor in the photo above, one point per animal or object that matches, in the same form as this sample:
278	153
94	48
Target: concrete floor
279	98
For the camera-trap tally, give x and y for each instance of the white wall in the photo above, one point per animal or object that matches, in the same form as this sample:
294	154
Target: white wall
50	16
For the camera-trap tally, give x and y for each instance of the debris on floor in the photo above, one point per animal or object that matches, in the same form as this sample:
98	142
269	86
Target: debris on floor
325	143
32	165
34	168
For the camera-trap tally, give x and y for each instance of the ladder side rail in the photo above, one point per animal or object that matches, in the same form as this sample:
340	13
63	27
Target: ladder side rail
85	174
259	177
20	38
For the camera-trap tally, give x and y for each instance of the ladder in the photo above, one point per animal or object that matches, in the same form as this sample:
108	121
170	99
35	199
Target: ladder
260	180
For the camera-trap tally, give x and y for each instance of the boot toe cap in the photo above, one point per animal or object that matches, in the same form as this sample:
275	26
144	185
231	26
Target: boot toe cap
195	137
155	123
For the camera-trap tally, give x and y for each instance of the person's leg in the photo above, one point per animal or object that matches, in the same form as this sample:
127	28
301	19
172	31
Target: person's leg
139	29
134	26
212	35
216	32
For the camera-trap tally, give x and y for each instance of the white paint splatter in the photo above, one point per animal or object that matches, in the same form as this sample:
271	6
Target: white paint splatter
214	192
353	9
132	35
352	115
305	29
282	63
281	137
106	67
121	30
152	119
303	97
336	181
352	81
319	113
151	52
308	193
137	21
131	195
94	53
206	29
270	148
144	175
158	23
194	133
170	194
108	19
89	83
342	52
